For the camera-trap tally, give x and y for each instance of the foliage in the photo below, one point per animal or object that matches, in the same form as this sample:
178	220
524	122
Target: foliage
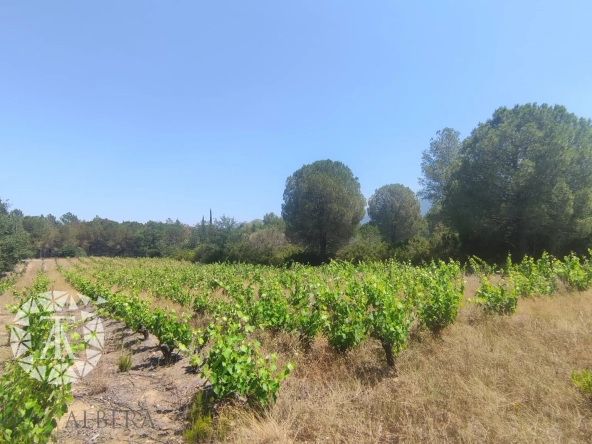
200	418
480	267
31	408
347	323
224	239
500	299
345	303
532	278
389	317
438	163
322	206
124	362
441	244
583	380
367	246
8	282
136	313
395	210
524	182
442	290
575	272
235	366
14	240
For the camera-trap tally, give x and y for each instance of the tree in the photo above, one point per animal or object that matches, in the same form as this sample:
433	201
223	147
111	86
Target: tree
524	183
44	233
395	210
265	243
271	220
437	164
14	241
69	218
322	206
367	246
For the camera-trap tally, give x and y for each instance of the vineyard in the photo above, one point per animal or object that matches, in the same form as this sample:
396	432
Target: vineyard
346	304
224	317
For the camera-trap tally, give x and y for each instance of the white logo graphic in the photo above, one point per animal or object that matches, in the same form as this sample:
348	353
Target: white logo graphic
66	315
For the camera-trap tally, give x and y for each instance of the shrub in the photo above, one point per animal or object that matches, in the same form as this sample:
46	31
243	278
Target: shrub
363	252
200	418
234	365
496	298
208	254
532	278
481	268
30	407
583	380
575	273
443	289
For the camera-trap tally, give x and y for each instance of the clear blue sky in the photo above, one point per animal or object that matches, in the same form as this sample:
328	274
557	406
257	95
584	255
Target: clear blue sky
143	110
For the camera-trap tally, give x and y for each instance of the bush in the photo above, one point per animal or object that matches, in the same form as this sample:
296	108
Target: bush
530	277
183	254
208	254
303	257
234	366
200	418
30	407
583	380
366	247
363	252
496	298
442	244
284	254
67	251
443	289
575	273
481	268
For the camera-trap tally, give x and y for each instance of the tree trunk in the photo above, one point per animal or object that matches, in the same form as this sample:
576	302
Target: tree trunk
166	352
388	350
145	332
323	246
523	245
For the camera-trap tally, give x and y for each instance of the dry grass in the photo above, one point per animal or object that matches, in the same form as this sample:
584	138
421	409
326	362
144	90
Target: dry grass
486	379
97	381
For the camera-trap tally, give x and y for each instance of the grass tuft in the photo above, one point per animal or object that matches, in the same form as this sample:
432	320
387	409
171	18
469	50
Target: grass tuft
124	362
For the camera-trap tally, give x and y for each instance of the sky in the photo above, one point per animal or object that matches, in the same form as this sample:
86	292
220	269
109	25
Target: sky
147	110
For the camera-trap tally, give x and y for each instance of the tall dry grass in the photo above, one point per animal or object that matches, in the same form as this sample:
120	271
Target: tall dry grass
486	379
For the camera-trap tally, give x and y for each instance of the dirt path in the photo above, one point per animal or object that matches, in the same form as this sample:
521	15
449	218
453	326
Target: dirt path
147	404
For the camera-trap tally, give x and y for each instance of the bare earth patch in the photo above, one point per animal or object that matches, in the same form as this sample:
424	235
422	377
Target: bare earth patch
144	405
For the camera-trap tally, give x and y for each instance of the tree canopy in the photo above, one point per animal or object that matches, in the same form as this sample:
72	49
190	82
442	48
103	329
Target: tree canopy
395	210
14	240
521	182
322	206
438	163
524	183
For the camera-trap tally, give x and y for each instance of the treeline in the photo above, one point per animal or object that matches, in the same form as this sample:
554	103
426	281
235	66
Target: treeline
520	183
217	240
